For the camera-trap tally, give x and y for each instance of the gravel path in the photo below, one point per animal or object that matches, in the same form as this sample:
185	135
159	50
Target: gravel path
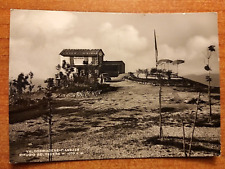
119	124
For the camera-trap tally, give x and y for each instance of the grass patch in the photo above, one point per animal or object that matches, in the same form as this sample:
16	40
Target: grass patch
96	113
82	87
76	130
176	142
36	133
168	109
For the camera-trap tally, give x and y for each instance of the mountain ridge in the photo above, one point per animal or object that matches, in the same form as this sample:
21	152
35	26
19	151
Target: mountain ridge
202	79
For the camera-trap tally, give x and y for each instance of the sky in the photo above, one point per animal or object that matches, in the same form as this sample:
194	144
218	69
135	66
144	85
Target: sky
37	37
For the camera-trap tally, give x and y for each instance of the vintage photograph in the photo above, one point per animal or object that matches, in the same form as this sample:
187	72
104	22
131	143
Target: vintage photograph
91	85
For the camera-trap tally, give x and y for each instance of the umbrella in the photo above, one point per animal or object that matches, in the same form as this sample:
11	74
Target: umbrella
164	61
177	62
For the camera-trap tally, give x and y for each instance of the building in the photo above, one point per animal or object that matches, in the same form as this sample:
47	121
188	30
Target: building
89	61
84	60
113	68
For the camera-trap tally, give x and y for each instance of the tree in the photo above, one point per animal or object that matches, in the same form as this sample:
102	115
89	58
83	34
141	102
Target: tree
195	120
48	93
50	83
139	71
211	49
60	78
63	78
146	72
58	67
40	88
31	86
68	70
20	83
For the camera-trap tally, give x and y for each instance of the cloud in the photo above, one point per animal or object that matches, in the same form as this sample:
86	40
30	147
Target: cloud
37	38
126	37
28	23
106	27
194	52
122	43
41	60
77	43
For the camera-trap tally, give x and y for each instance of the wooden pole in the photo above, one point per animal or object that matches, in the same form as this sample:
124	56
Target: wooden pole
160	107
184	144
50	131
209	94
192	135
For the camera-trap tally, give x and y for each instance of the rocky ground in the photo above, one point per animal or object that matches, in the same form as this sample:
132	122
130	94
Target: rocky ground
118	124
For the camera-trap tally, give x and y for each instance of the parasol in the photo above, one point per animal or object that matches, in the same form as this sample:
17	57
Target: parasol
164	61
177	62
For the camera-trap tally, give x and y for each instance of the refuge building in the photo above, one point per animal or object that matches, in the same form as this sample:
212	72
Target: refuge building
83	60
87	61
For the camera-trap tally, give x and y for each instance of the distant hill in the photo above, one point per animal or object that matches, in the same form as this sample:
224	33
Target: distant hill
202	79
37	82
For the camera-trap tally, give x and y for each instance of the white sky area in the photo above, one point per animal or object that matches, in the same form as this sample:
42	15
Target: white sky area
37	37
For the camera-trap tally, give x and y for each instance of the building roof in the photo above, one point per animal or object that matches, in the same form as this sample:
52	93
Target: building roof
113	62
81	52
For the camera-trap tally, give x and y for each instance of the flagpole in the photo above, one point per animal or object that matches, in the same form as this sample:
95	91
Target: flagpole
156	51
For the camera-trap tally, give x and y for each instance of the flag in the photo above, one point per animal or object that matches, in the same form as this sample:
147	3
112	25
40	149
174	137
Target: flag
156	50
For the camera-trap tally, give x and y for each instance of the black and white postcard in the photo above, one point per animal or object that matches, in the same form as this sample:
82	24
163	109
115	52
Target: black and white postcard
89	85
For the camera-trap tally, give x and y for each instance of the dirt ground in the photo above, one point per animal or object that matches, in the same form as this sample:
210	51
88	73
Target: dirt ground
119	124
